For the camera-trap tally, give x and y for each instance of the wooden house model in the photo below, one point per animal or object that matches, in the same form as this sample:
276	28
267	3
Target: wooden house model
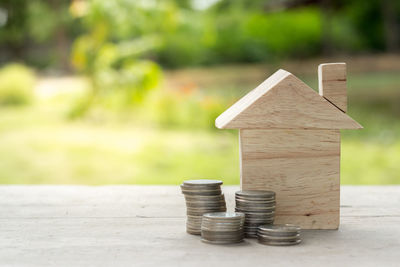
289	138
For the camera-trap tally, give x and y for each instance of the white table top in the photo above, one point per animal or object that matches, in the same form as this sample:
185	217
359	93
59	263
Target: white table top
145	226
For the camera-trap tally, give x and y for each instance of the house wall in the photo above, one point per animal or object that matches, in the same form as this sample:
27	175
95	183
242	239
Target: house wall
301	166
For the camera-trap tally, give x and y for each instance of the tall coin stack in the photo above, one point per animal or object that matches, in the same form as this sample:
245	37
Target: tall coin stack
258	207
202	196
222	227
279	235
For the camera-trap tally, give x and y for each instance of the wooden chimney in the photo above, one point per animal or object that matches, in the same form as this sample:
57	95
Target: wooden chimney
332	84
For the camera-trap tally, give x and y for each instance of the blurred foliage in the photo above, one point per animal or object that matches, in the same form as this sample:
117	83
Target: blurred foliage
186	108
111	53
37	32
16	85
189	32
119	47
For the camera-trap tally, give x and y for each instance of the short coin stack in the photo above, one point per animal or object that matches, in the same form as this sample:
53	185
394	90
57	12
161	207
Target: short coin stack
222	228
258	207
202	196
279	235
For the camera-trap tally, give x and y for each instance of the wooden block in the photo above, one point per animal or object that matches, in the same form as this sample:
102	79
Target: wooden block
301	166
332	84
284	102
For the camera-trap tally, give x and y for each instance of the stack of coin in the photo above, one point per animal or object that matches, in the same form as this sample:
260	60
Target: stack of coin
279	234
258	207
222	227
202	196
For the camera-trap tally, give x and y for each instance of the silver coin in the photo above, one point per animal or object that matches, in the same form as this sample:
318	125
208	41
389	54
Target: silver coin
255	193
250	227
195	186
209	203
216	208
263	217
223	219
250	235
220	230
230	239
210	193
191	217
194	222
225	234
204	204
200	213
258	223
193	226
224	215
250	231
255	203
279	243
259	215
258	203
255	210
236	221
222	233
193	231
250	206
219	242
280	228
203	188
254	200
278	235
221	224
278	238
202	182
204	198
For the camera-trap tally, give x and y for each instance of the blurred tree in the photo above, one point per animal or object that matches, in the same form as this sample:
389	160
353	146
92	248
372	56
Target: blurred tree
16	85
391	21
196	32
13	34
111	52
35	24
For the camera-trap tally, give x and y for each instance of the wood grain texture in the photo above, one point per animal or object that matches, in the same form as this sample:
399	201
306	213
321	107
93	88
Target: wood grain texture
145	226
332	84
284	102
301	166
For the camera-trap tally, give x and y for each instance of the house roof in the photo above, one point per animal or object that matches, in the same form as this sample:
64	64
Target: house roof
284	102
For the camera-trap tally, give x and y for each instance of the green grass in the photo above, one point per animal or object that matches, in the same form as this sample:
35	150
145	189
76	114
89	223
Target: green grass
37	148
38	145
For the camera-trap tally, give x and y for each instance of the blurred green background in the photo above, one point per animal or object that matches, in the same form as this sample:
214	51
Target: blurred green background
127	91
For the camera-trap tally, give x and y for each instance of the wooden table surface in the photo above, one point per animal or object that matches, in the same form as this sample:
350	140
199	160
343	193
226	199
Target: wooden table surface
145	226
